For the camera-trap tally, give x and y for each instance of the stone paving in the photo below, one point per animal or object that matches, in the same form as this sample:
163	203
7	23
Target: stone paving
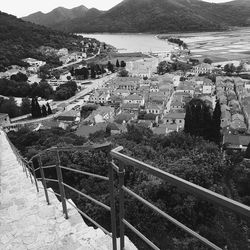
27	222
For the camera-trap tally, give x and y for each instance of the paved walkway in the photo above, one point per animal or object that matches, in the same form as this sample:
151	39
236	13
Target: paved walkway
27	222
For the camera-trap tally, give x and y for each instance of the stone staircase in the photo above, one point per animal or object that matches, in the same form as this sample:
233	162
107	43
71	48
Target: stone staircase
27	222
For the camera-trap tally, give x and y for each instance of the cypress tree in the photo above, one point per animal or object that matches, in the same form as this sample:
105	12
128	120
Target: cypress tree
198	119
44	111
49	111
38	109
33	108
216	123
117	63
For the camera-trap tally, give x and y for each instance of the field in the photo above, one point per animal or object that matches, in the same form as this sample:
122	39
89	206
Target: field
220	46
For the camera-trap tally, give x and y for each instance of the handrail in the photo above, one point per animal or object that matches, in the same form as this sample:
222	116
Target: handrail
174	180
86	173
30	166
185	185
87	196
73	148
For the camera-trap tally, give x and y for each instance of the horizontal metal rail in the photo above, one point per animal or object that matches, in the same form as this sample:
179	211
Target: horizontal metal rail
88	197
74	148
171	219
86	173
145	239
52	180
50	166
183	184
36	169
91	220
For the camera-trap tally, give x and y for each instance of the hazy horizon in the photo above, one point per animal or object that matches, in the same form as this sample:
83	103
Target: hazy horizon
15	7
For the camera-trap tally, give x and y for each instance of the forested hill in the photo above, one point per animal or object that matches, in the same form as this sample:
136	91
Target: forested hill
20	39
160	16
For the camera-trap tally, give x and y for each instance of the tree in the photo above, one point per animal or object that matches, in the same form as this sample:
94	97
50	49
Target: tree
110	67
38	109
93	72
9	107
208	60
35	108
44	111
19	77
56	74
72	71
123	64
229	68
68	78
123	73
25	106
198	120
216	123
117	63
49	109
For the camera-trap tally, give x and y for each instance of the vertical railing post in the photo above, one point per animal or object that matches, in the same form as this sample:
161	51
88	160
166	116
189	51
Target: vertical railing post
61	187
26	165
34	175
121	204
43	179
112	203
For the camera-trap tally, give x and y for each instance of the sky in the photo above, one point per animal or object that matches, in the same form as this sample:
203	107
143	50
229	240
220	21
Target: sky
22	8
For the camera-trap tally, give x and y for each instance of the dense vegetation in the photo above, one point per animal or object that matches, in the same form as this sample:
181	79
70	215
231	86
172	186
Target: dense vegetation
159	16
42	89
191	158
20	39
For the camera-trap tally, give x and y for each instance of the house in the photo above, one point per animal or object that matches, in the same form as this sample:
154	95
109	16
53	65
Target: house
4	120
177	105
185	89
102	114
154	87
157	97
134	99
175	118
34	62
130	107
94	97
128	86
238	123
236	142
69	116
153	108
203	68
104	98
121	92
207	89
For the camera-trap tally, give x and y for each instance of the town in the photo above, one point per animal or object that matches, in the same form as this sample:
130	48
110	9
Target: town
152	91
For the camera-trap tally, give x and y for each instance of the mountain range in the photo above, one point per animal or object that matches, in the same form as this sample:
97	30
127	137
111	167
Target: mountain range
157	16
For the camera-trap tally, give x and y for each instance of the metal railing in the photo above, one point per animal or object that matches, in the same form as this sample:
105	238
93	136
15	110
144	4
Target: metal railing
175	181
123	160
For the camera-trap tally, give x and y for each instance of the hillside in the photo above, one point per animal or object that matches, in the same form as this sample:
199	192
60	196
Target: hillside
20	39
159	16
57	15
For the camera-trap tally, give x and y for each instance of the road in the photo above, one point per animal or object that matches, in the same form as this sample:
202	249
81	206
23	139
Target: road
78	61
95	84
